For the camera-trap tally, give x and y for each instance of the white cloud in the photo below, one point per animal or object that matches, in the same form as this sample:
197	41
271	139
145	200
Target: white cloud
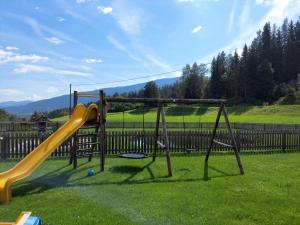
197	29
4	54
130	18
11	48
69	10
244	20
231	17
105	10
60	19
264	2
35	97
40	29
10	92
93	61
54	40
117	44
158	62
11	56
28	68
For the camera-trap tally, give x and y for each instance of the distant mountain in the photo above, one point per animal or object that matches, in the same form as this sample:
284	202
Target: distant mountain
63	101
13	103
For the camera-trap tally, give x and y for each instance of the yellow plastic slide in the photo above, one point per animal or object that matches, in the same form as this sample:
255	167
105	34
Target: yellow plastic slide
35	158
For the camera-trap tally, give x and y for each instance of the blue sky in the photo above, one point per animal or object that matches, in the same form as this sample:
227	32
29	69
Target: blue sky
45	45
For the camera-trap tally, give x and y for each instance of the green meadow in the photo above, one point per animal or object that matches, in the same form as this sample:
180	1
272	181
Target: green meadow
283	114
138	192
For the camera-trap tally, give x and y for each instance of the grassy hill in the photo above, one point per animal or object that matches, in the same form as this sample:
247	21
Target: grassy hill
245	114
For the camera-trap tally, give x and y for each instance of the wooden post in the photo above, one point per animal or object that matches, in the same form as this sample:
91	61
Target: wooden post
102	129
75	146
156	133
70	101
71	150
75	99
166	141
212	141
233	142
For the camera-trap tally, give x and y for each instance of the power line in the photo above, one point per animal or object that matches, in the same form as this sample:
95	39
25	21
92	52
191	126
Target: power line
134	78
130	79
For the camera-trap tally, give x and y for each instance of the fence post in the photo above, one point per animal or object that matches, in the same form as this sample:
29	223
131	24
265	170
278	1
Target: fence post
284	141
4	147
238	140
2	155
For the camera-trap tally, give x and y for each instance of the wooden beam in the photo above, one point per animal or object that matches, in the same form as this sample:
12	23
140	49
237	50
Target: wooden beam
212	141
165	100
166	140
85	95
235	148
156	132
102	129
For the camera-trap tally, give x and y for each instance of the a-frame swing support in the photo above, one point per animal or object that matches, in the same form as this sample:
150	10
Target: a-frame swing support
213	141
166	145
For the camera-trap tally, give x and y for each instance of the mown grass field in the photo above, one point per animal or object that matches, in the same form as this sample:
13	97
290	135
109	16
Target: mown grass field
139	193
284	114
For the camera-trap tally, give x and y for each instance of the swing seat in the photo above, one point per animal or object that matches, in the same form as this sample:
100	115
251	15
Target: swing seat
133	155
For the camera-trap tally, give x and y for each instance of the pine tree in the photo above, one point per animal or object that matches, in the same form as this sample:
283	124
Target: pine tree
264	84
194	82
244	74
151	90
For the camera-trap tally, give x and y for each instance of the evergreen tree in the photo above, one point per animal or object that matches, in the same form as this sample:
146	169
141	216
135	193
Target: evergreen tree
151	90
194	81
264	84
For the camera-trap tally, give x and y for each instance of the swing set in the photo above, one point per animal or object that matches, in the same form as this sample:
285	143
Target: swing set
100	129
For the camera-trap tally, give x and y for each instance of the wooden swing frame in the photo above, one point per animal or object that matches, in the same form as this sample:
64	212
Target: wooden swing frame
160	117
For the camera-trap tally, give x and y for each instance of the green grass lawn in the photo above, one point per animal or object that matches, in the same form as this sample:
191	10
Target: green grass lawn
138	192
245	114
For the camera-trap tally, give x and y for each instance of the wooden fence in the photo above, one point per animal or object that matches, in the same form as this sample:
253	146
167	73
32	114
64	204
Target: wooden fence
16	145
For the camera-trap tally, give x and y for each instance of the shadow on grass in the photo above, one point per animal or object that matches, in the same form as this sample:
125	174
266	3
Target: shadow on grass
56	179
238	110
126	169
201	110
48	181
222	173
141	110
180	111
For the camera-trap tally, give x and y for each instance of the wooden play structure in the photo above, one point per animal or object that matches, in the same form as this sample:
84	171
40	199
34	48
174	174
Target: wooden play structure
99	142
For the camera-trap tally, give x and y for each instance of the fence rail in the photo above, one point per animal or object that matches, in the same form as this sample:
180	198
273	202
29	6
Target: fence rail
51	126
16	145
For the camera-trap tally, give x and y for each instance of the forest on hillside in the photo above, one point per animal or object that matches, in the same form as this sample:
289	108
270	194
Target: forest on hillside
265	72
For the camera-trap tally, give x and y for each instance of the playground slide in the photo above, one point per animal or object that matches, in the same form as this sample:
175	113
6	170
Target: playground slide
35	158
